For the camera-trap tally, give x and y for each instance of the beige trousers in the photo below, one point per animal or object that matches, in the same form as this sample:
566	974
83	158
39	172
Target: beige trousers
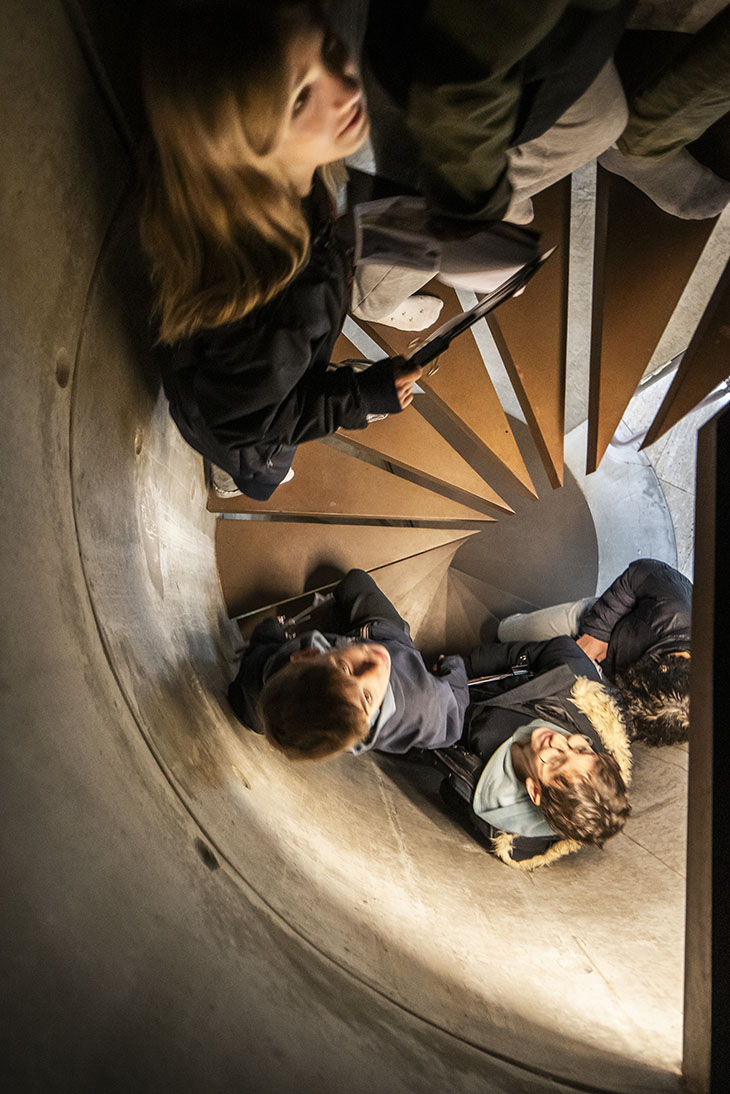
587	128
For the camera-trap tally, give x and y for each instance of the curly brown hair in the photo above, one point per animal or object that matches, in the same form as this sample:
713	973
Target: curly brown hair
309	711
591	808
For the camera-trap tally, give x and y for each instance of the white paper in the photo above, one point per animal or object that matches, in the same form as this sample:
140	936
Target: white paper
397	232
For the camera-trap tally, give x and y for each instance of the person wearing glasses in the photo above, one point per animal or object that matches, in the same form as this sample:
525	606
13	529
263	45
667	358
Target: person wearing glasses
544	763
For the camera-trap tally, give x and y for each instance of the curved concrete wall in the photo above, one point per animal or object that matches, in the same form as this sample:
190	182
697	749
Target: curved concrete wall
187	910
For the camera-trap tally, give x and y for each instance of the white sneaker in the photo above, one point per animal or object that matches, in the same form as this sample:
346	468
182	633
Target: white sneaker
415	313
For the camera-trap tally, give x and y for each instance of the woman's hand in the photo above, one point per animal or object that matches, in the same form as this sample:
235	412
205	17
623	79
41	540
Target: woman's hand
405	377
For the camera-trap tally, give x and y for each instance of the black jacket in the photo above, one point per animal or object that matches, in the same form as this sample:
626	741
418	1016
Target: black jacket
648	609
497	710
429	709
243	393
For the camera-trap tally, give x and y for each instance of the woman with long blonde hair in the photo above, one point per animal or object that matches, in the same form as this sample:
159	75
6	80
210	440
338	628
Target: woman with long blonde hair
246	102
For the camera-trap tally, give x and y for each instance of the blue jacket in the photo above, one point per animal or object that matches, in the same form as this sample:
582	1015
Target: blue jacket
429	708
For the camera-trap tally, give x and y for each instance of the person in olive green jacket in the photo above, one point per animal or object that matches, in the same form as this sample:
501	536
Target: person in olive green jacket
479	106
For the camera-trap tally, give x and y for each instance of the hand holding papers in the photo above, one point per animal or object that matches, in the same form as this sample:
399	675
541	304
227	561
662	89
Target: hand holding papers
399	231
497	260
435	344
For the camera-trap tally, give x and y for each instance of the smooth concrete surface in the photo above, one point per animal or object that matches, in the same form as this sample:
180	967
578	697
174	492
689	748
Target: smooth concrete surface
185	911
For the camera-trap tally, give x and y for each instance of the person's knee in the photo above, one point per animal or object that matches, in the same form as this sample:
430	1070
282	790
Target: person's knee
593	123
609	109
605	129
616	121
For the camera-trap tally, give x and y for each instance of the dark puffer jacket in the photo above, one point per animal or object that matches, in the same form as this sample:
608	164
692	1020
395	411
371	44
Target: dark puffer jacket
566	690
647	609
244	393
429	708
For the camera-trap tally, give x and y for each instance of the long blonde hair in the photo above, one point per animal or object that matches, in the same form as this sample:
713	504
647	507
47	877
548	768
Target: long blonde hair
223	229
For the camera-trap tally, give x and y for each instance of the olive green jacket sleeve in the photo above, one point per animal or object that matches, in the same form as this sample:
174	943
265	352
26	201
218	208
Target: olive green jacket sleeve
464	123
685	99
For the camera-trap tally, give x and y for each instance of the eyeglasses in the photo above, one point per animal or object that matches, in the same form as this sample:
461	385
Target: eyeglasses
578	743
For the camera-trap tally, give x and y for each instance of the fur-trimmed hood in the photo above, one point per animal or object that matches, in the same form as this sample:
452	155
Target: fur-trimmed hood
596	703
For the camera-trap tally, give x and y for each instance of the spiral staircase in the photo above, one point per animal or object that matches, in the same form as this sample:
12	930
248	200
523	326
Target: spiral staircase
416	497
185	910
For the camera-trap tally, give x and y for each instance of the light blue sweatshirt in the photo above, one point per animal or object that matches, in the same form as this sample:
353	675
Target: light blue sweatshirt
501	799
